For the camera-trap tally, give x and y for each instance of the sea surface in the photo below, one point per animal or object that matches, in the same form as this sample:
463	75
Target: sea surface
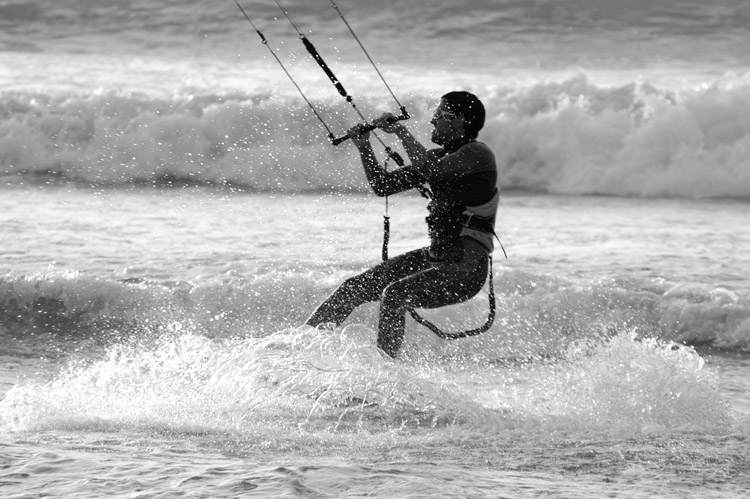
171	211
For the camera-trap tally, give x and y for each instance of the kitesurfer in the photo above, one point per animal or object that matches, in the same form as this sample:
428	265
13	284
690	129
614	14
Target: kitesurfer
462	177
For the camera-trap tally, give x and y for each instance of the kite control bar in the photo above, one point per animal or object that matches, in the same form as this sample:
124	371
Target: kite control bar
370	127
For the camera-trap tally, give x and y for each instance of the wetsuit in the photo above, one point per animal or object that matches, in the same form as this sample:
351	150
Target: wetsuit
453	268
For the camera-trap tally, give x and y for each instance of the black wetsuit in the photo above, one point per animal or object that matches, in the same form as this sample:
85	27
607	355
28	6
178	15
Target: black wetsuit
451	270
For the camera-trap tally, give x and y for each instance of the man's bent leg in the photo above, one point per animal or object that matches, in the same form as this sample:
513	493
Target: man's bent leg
392	320
393	304
349	295
365	287
431	288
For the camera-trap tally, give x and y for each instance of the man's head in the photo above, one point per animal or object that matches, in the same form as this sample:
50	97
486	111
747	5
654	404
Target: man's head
470	107
460	116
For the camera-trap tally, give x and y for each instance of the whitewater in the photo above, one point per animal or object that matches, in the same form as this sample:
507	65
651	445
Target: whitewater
171	212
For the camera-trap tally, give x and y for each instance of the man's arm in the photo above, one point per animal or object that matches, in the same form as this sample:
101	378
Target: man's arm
416	152
374	173
384	183
471	158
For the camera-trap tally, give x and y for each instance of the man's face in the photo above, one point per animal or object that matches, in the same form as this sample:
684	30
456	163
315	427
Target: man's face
448	126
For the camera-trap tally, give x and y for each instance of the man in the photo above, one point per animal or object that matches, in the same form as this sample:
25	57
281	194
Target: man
462	178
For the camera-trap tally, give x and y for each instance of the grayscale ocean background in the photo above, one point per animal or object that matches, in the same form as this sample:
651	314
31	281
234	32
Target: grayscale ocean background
171	211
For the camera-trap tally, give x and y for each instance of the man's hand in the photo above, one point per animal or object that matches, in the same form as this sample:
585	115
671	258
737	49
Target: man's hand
359	134
387	123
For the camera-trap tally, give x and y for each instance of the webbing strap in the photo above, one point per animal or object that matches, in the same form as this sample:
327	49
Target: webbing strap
462	334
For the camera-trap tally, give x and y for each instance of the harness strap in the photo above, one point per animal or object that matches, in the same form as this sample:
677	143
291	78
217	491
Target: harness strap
478	223
482	224
463	334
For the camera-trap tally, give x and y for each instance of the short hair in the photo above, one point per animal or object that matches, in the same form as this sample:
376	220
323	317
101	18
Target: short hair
470	107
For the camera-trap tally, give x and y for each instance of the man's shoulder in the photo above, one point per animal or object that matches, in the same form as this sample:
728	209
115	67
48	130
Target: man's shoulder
471	148
471	158
479	155
479	148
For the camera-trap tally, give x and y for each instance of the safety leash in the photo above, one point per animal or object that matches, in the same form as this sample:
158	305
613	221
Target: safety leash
386	231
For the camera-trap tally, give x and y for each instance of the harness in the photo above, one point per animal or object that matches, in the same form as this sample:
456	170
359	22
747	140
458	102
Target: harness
462	334
470	221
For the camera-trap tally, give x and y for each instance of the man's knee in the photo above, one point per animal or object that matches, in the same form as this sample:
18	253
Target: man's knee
351	286
394	296
358	289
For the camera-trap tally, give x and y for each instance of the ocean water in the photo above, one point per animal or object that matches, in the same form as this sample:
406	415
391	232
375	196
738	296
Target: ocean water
172	211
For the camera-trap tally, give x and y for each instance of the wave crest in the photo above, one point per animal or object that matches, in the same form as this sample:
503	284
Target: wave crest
569	137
